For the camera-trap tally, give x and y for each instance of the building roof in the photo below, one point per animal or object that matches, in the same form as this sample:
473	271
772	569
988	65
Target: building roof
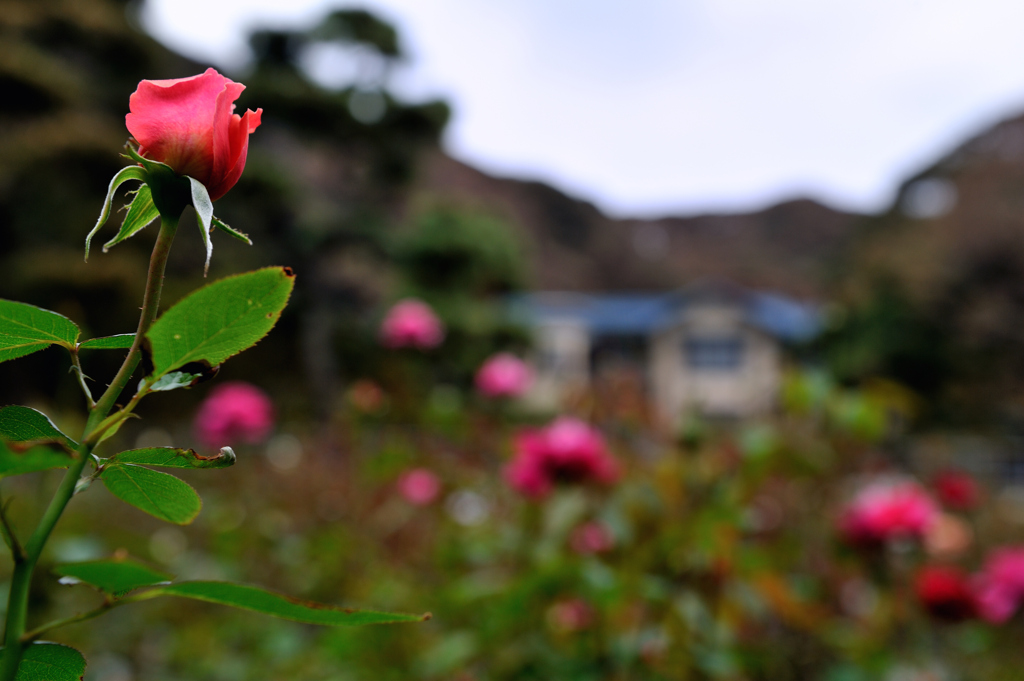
644	313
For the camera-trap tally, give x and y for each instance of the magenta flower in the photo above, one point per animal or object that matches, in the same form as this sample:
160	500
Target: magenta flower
888	509
957	490
411	323
566	451
946	593
419	486
190	124
504	375
1000	585
234	411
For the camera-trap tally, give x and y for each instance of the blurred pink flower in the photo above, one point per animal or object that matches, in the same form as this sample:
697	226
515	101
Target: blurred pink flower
419	486
999	586
566	451
946	593
411	323
592	537
504	375
888	509
570	615
957	490
234	411
366	396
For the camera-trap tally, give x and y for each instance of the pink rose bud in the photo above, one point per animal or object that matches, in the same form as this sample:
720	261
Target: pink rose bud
234	411
886	510
190	124
419	486
504	375
411	323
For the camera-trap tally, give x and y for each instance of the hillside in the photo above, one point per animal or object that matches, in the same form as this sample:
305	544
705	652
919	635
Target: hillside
573	246
959	219
935	284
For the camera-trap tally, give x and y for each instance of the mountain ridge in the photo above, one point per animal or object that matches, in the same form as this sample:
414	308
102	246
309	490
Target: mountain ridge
575	246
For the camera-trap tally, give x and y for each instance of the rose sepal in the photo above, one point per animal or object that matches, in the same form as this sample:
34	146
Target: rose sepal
122	176
204	216
228	229
165	193
141	212
172	192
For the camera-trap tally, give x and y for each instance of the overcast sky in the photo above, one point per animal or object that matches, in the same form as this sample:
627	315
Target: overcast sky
649	107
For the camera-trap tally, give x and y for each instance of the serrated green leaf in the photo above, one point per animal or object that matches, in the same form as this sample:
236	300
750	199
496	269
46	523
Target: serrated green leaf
25	329
23	424
46	661
279	605
224	227
204	216
159	494
141	212
122	176
122	341
31	457
115	576
219	320
169	457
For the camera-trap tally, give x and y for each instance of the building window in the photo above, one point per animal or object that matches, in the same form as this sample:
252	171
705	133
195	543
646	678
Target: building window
551	362
714	353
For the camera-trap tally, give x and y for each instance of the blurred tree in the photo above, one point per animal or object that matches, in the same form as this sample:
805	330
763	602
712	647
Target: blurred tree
464	263
959	347
949	252
460	252
888	336
359	27
350	154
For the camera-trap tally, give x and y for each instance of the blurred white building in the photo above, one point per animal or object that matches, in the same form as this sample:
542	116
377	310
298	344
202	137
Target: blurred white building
712	348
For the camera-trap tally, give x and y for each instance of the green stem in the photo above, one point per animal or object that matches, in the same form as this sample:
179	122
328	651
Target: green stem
150	305
17	604
115	418
76	367
17	552
30	636
106	606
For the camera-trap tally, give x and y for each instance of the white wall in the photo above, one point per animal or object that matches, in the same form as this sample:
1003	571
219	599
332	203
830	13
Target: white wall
562	362
676	387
